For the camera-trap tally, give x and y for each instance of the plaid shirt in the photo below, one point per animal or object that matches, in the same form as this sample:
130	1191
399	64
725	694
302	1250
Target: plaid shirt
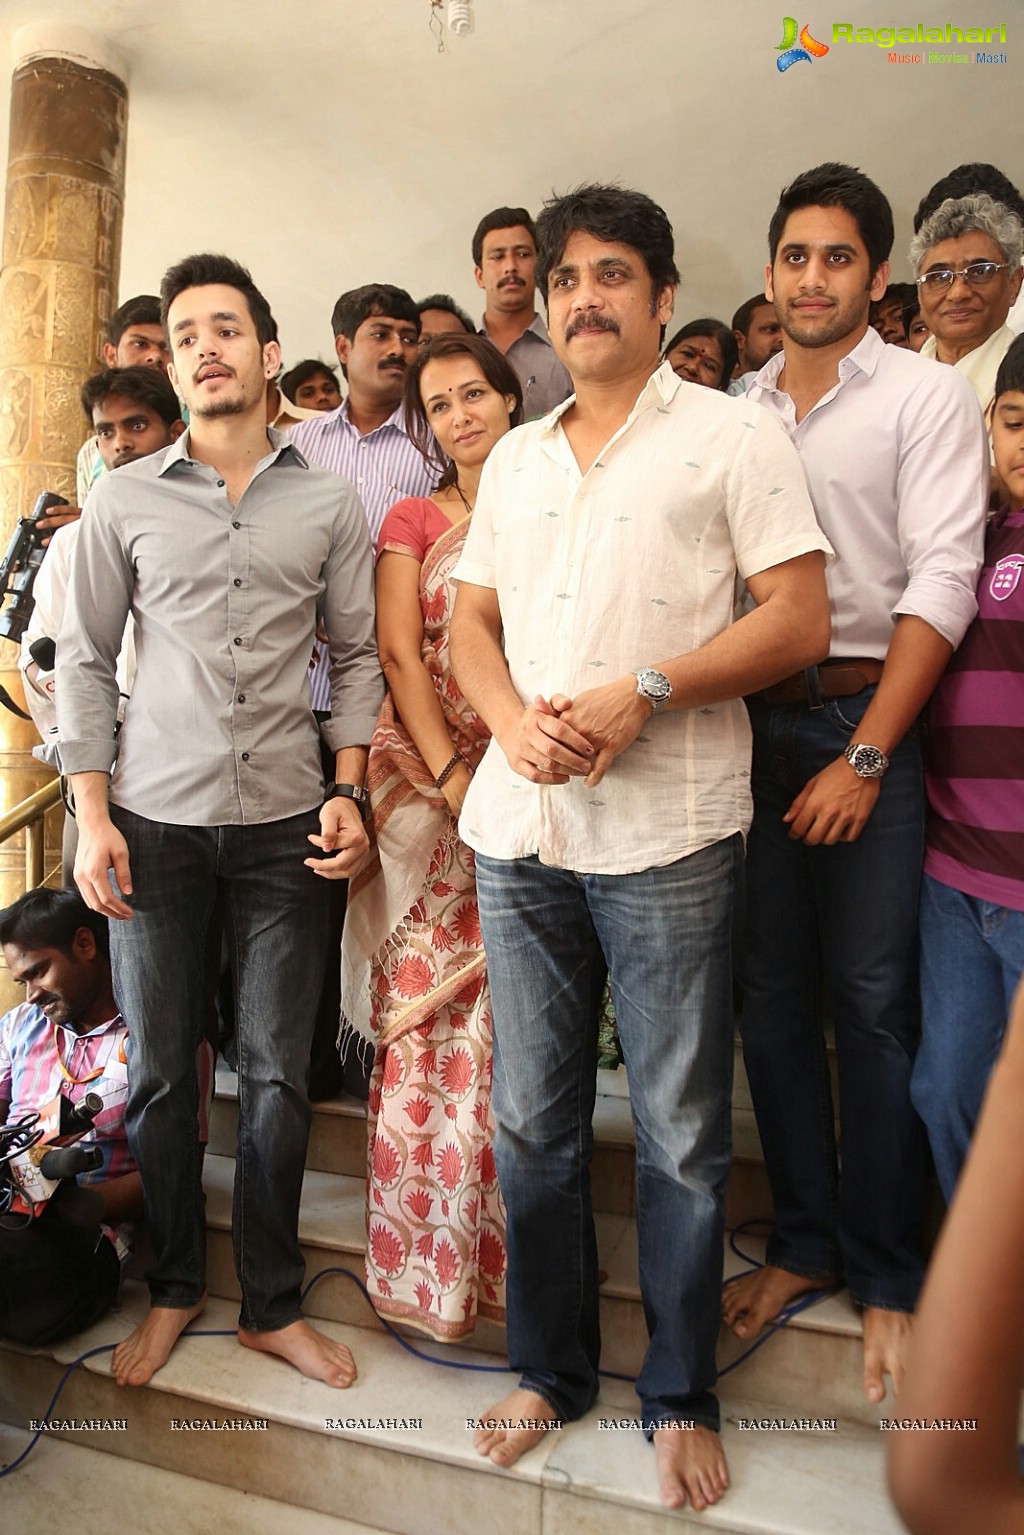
31	1077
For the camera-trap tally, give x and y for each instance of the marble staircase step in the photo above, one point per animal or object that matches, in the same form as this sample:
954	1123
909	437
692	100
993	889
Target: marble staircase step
337	1144
403	1460
64	1485
813	1366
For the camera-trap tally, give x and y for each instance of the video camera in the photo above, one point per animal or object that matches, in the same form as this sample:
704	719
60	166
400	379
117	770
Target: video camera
20	565
38	1152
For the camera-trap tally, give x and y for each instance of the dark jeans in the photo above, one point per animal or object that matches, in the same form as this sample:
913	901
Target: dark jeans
275	914
848	913
663	938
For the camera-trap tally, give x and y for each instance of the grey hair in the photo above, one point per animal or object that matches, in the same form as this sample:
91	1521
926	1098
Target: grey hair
958	216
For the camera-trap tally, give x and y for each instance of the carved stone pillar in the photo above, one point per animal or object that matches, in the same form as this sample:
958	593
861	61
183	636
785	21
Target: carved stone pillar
58	287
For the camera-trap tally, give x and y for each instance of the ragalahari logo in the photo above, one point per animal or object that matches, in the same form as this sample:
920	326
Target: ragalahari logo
789	54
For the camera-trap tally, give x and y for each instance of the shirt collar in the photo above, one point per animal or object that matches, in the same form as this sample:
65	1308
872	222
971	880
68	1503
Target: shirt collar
179	452
660	389
393	423
863	358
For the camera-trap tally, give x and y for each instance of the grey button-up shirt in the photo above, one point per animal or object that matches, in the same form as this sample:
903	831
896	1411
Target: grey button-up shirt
225	600
545	380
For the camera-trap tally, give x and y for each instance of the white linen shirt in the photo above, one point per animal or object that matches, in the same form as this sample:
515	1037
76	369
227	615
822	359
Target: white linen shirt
632	563
896	458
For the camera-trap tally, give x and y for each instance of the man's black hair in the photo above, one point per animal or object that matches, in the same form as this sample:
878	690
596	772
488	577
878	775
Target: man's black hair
141	310
964	181
833	185
301	374
375	298
608	213
49	919
500	218
146	386
1011	370
202	271
447	303
745	313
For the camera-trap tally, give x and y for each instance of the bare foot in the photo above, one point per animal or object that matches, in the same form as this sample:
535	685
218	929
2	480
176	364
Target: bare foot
311	1352
518	1422
691	1465
751	1302
886	1341
148	1348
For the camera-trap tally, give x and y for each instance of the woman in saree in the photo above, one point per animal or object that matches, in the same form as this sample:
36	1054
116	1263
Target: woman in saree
414	984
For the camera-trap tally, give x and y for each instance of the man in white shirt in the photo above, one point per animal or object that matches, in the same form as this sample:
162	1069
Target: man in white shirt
966	258
597	589
896	459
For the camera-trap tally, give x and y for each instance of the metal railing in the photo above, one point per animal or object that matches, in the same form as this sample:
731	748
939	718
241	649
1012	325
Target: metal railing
30	816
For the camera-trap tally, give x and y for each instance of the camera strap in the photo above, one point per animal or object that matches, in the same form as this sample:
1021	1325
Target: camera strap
8	703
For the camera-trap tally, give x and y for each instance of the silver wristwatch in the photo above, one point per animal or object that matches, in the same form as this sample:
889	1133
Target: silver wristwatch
866	761
654	686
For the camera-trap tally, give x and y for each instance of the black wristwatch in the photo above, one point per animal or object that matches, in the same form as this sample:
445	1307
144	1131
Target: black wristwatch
348	791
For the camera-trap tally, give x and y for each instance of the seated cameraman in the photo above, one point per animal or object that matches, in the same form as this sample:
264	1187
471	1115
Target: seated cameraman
133	411
60	1271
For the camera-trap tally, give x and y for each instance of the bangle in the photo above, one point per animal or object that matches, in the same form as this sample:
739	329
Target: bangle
447	771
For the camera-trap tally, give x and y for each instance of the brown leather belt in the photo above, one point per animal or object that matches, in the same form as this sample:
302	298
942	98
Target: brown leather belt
832	679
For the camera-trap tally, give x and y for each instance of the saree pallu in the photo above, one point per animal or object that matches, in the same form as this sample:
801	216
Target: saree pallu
414	990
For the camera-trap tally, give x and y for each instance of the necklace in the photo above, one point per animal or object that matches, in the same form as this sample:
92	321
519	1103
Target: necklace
97	1070
466	504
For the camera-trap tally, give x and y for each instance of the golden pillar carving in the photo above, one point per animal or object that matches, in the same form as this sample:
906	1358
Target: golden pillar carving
58	286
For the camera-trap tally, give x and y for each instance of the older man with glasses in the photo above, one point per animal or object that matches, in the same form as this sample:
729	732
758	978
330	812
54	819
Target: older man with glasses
967	257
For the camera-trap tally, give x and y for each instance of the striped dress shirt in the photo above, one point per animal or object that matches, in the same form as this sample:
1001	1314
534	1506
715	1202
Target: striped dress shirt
384	466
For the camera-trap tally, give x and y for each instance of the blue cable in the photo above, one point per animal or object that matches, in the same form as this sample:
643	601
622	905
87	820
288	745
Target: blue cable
403	1342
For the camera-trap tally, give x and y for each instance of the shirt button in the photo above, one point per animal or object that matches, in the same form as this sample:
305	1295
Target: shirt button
221	484
236	524
245	756
237	581
241	698
237	640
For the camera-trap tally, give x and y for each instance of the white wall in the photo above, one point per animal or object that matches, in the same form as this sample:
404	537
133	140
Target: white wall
328	144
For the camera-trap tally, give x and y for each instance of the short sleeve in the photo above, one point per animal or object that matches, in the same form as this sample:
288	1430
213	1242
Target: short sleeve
407	528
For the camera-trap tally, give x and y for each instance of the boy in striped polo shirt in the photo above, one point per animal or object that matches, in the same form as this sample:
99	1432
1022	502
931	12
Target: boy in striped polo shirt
972	902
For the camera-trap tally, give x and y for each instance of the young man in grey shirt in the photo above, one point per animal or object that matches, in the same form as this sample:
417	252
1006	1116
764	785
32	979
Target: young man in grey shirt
226	548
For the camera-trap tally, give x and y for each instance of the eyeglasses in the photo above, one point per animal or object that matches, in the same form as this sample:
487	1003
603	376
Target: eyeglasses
978	275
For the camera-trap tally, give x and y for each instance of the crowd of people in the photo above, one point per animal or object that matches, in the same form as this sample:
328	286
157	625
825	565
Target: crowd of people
619	687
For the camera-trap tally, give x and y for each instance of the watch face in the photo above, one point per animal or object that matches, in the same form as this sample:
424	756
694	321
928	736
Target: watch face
653	685
868	761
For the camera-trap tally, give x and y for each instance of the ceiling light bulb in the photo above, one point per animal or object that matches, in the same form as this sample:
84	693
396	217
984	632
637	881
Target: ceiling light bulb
460	17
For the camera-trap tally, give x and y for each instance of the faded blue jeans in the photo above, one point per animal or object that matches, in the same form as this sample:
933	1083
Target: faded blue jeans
275	916
972	959
663	938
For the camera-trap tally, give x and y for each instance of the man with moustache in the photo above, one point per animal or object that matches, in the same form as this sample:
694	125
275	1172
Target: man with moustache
224	547
895	454
504	259
594	633
376	334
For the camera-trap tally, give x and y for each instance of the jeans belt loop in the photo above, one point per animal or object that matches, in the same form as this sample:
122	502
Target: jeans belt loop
812	685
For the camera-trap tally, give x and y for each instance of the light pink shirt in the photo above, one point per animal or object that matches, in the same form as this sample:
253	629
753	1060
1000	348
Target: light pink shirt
896	458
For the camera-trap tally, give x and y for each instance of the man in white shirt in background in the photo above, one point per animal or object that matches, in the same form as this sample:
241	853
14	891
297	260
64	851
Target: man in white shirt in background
896	459
597	590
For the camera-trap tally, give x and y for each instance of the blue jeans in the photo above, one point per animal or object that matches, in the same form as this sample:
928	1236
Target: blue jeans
663	937
846	914
972	958
274	911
